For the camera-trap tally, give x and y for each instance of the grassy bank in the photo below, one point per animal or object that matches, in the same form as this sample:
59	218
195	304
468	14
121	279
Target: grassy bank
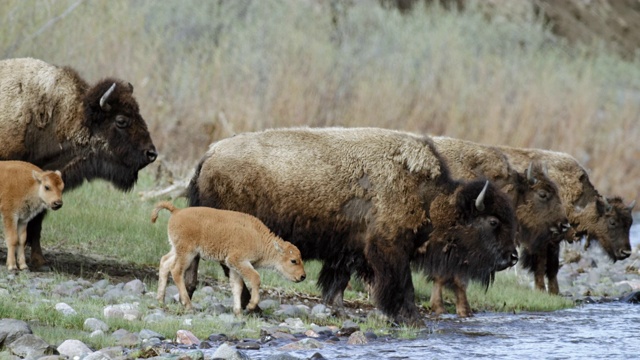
97	220
205	70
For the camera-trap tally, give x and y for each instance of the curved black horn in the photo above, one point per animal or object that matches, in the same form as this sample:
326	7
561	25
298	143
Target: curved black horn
631	205
105	97
607	206
480	198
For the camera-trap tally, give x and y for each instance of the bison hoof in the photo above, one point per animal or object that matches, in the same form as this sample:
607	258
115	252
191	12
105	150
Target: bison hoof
38	263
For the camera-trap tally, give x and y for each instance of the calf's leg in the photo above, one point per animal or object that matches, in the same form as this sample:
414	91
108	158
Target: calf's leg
22	239
11	238
246	295
250	276
191	276
437	306
166	263
237	285
177	272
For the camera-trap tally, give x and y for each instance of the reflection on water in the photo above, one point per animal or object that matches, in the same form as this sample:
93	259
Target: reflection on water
602	331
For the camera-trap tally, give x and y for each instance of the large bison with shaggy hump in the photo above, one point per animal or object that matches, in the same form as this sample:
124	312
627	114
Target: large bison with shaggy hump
51	117
357	199
607	220
541	216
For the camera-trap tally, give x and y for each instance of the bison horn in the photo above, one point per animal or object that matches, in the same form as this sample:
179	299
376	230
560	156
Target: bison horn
480	198
530	178
105	97
607	206
631	205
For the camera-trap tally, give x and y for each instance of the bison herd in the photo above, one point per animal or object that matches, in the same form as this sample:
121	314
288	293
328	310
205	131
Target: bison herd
368	202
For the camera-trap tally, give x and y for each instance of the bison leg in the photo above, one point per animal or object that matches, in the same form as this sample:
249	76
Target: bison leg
11	238
250	276
166	263
22	239
539	271
34	229
463	309
437	305
333	283
191	276
393	290
246	295
177	272
237	286
553	266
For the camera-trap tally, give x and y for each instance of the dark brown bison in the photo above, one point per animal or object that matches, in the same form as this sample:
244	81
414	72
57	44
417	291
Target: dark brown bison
50	117
357	199
539	210
460	250
607	220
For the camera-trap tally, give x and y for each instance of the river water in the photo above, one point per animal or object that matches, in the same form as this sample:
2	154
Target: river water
590	331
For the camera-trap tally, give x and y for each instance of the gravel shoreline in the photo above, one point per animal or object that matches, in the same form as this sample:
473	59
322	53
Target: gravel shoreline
585	276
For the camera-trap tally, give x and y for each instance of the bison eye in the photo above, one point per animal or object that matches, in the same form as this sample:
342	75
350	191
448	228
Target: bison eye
612	222
543	194
122	121
294	261
493	222
47	188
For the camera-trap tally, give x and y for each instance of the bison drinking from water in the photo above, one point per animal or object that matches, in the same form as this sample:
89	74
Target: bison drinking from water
357	199
606	220
51	117
25	191
539	210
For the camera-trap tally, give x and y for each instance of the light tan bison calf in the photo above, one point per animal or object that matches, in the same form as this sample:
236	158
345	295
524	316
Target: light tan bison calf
238	240
25	191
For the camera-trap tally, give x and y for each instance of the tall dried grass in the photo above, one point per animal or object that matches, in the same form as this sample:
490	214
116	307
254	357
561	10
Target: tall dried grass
206	70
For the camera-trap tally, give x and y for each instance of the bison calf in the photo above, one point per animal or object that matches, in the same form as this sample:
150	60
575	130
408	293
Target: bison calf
25	191
237	240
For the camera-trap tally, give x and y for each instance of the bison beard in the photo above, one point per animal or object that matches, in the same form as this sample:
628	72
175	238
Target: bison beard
87	132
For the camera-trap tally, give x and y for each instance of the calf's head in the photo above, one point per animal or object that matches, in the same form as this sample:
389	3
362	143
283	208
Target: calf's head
120	141
50	186
289	261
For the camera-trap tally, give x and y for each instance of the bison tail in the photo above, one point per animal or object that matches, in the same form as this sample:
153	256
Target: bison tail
159	206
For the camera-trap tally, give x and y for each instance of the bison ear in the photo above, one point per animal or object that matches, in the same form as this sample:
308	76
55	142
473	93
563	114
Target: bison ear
105	97
37	176
277	246
130	87
58	173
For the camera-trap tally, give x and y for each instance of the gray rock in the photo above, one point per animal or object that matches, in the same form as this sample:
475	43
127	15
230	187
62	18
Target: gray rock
129	340
101	284
31	346
127	311
65	309
145	334
269	304
195	355
225	351
73	348
304	344
291	311
97	355
93	324
283	357
11	330
157	316
96	333
136	287
357	338
113	351
67	288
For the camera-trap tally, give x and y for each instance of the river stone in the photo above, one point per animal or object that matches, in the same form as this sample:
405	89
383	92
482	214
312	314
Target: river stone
135	286
185	337
284	357
73	348
93	324
31	346
127	311
357	338
146	334
11	330
96	333
304	344
96	355
225	351
65	309
269	304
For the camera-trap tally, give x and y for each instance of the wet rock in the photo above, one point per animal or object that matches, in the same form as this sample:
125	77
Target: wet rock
284	357
225	351
633	298
357	338
317	356
370	335
248	345
73	348
65	309
194	355
312	334
93	324
304	344
11	330
185	337
31	346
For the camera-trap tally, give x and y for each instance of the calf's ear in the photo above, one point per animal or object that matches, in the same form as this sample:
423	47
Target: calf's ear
37	176
277	246
58	173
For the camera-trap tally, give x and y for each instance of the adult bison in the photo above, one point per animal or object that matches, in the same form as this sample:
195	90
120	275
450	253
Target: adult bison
607	220
51	117
357	199
539	210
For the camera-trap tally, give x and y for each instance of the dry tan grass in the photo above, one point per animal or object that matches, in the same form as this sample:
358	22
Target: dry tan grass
204	70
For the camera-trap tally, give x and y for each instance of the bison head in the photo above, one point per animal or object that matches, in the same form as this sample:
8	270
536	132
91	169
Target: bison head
539	209
50	186
289	262
608	220
120	141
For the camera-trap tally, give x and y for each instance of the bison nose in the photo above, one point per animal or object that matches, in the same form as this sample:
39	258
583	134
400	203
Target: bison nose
56	205
302	277
623	254
152	155
565	226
